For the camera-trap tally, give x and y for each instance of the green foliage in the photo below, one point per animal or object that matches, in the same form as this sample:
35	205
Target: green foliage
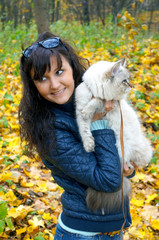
4	121
12	40
154	160
9	223
39	236
3	217
2	225
139	95
95	35
3	210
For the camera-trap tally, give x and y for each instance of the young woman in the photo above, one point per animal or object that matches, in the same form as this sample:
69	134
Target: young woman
50	72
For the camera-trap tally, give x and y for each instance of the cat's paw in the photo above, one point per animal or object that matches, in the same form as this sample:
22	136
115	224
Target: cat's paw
86	114
89	144
129	164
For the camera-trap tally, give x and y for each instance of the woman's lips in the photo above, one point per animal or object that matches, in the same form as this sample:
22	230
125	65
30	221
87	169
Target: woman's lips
59	92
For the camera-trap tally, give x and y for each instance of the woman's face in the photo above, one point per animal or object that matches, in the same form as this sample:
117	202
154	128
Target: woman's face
57	85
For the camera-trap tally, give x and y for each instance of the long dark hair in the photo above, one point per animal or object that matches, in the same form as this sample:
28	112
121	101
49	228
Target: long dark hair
35	118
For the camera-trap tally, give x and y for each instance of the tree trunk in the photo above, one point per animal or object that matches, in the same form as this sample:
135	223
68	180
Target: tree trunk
86	12
41	16
28	13
52	10
15	13
3	13
9	10
57	10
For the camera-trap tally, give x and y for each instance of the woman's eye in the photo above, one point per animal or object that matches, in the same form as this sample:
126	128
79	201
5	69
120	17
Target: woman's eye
59	72
44	78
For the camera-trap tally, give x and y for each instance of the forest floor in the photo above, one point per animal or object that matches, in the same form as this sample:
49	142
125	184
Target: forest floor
29	197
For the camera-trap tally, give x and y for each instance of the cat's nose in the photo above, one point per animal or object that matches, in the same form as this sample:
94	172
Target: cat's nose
130	85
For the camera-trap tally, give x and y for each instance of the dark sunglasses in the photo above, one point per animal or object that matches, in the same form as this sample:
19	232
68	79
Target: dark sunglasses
48	43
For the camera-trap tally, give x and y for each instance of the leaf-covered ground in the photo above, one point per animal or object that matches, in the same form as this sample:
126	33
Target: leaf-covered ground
29	198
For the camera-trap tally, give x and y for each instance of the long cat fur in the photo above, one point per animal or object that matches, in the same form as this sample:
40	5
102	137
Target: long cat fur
110	81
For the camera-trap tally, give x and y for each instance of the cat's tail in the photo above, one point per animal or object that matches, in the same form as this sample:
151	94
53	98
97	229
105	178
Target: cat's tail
143	152
107	202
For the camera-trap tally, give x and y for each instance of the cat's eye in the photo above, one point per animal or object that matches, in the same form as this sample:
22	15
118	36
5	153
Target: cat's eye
125	81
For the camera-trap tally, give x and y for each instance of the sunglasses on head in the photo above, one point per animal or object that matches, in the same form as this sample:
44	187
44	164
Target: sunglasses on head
48	43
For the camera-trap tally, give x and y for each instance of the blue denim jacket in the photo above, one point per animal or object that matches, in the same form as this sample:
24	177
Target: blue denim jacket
75	170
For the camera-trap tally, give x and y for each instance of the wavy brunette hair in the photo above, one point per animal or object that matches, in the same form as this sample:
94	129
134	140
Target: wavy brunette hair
35	118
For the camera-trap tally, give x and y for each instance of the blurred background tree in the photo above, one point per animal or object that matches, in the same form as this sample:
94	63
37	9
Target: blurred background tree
47	12
41	16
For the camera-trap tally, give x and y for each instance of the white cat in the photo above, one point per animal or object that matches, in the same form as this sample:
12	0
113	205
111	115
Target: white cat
110	81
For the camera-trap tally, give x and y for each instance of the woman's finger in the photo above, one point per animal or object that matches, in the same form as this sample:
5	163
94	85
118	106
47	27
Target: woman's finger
109	105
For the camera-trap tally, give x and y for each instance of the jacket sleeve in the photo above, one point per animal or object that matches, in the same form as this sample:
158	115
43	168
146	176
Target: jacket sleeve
99	169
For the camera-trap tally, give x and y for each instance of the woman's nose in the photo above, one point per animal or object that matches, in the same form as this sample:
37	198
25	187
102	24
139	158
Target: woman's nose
54	83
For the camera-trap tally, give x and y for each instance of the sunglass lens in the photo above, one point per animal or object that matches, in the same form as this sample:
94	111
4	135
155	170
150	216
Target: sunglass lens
27	52
50	43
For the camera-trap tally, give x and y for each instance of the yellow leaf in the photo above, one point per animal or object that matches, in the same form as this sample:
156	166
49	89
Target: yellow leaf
46	216
151	197
128	25
12	199
30	229
14	142
13	213
24	158
23	183
135	232
5	176
35	222
137	202
48	233
55	220
140	176
144	27
27	173
20	211
140	88
42	186
155	224
21	230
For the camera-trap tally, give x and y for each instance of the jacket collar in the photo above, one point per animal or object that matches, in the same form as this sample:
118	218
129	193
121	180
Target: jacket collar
67	108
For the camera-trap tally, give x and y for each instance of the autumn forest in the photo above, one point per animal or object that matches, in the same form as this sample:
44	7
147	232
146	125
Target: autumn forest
98	30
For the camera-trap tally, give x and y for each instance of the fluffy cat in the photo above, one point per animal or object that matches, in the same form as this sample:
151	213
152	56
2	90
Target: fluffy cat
110	81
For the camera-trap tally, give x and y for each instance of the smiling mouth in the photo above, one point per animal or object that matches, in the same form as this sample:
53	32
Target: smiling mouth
59	92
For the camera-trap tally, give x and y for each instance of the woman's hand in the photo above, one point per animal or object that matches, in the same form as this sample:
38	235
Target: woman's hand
109	105
129	171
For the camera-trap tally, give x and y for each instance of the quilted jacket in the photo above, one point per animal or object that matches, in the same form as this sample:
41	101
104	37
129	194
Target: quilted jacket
75	170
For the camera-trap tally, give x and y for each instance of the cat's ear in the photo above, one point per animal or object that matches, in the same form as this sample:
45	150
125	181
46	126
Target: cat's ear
115	68
123	62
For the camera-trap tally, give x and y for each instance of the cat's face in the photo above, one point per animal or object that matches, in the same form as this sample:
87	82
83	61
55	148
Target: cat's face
108	80
119	82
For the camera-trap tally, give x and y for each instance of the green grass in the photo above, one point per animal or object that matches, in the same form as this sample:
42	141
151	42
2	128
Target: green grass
95	35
